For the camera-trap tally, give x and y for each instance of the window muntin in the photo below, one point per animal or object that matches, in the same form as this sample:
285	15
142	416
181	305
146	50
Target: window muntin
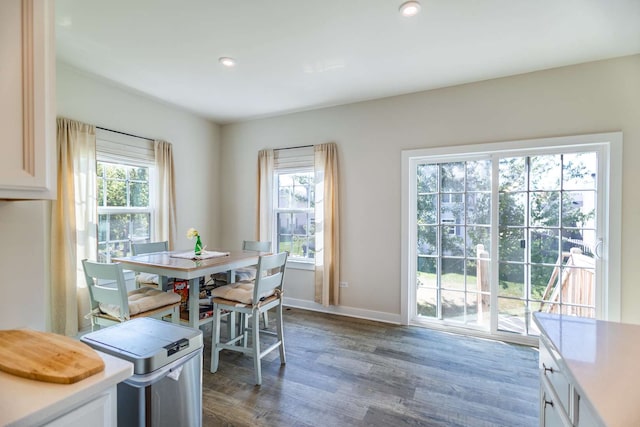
546	205
294	213
548	216
124	208
452	219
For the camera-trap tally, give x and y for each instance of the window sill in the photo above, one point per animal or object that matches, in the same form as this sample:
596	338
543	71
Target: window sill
301	265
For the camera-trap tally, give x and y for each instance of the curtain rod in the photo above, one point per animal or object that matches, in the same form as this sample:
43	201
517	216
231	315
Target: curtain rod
291	148
124	133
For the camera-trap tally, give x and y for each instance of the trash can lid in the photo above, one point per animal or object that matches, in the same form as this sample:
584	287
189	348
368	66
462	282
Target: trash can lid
148	343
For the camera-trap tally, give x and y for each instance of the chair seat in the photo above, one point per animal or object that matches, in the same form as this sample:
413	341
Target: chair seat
241	274
142	300
241	292
147	279
234	303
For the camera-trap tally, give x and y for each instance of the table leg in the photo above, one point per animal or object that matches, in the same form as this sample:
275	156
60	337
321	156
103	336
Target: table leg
194	303
233	325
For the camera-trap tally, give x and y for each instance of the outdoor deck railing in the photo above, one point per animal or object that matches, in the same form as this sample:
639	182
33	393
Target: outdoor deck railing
570	290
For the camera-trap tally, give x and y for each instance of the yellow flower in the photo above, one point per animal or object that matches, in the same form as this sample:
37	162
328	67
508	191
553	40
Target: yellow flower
191	233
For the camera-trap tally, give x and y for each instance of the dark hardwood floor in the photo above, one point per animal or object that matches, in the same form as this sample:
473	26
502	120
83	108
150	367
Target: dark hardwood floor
342	371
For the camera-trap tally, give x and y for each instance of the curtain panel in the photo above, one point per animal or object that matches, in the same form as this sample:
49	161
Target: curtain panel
327	259
73	224
165	219
265	199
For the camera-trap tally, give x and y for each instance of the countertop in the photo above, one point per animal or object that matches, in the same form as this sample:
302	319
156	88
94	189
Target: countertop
25	402
603	359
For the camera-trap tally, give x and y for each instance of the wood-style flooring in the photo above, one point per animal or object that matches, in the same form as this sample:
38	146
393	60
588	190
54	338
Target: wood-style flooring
342	371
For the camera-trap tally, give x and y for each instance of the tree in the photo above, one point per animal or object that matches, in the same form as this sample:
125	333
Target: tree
548	198
122	186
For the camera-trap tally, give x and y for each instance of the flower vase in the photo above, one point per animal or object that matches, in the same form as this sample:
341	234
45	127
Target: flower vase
198	247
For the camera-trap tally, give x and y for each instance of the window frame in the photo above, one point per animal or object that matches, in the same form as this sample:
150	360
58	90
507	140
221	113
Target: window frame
296	261
118	210
126	150
609	146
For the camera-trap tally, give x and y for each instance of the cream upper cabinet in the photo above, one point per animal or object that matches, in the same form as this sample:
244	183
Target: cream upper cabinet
27	101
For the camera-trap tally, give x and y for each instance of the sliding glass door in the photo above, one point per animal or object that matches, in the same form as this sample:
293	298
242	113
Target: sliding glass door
496	237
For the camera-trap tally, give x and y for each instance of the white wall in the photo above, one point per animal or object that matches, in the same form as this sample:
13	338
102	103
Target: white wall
24	264
589	98
24	225
196	142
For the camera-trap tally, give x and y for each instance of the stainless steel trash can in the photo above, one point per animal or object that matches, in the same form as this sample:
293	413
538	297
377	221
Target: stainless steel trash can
166	386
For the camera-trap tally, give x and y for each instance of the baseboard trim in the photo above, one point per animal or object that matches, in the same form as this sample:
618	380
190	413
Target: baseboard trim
378	316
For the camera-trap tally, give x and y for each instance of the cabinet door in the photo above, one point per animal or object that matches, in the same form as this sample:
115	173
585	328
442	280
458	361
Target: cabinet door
27	101
552	413
553	371
549	415
586	416
99	412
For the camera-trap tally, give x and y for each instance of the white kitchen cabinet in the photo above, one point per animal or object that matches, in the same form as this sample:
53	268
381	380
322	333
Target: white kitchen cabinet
556	391
90	402
586	416
98	411
588	372
552	413
27	101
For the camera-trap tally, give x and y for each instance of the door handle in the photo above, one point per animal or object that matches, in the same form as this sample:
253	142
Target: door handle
597	250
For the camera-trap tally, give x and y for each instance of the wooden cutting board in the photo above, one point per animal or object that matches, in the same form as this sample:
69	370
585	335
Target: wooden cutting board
48	357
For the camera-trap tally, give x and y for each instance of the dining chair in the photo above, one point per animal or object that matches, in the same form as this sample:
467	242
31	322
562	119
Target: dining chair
246	273
250	299
111	303
147	279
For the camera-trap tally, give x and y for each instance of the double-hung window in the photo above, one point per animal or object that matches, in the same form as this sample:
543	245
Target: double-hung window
125	184
294	203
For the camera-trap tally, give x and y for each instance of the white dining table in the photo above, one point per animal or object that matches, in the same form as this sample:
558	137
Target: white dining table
164	264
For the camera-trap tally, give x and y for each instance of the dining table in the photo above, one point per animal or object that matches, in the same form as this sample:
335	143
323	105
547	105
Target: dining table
179	265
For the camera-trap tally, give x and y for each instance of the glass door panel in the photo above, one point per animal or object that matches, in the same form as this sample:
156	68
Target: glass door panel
546	232
550	212
454	229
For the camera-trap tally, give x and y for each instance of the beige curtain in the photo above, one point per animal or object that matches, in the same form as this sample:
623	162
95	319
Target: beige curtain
265	199
165	220
73	224
327	269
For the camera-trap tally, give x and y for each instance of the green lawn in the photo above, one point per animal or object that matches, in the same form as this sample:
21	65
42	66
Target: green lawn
510	296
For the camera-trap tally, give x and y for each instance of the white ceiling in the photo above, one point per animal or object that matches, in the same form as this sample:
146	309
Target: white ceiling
296	55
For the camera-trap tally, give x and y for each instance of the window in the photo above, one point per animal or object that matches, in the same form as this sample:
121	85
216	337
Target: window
293	195
500	231
125	187
294	213
124	209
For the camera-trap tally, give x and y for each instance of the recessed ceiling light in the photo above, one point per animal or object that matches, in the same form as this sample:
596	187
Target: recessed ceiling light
409	8
227	62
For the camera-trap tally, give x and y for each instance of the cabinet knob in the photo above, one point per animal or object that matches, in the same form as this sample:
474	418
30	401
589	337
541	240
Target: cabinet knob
550	370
